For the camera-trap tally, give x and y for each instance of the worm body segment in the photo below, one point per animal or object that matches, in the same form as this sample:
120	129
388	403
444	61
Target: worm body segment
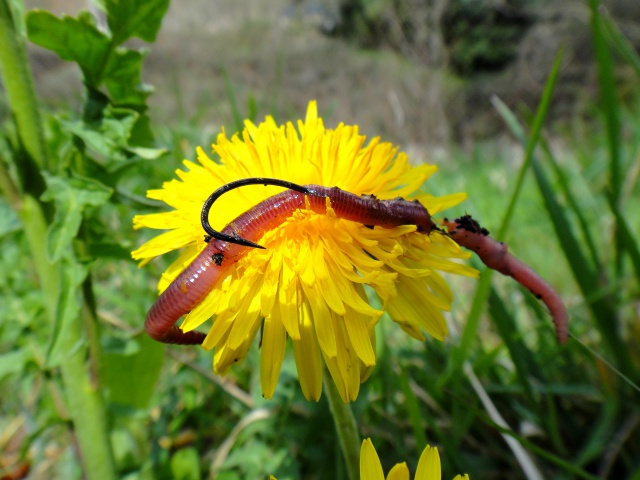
495	255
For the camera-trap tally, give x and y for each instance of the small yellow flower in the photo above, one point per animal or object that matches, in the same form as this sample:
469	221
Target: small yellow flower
314	280
428	465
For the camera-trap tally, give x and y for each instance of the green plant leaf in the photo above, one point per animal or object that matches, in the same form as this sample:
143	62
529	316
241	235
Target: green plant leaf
70	196
73	39
130	370
110	137
123	80
135	18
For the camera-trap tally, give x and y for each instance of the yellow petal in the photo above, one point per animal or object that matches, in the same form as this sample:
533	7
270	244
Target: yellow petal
429	465
370	467
272	353
399	471
358	334
307	355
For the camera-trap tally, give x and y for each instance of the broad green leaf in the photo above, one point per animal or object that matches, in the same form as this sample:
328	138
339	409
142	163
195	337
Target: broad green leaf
135	18
67	311
73	39
130	370
123	80
107	137
110	137
70	196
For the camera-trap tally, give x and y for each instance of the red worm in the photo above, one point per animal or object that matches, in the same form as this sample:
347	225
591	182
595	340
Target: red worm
468	233
198	279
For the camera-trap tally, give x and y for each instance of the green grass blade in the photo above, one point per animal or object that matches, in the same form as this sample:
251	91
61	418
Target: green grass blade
608	98
413	409
469	335
238	120
584	272
620	42
627	237
536	129
604	313
521	356
572	203
611	109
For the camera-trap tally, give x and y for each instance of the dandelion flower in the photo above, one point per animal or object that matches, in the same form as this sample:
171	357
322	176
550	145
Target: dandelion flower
428	465
314	280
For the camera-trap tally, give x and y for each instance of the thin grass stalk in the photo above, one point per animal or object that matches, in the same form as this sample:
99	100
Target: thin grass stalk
238	120
525	461
413	410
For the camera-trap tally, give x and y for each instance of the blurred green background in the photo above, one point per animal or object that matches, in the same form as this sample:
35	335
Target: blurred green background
452	82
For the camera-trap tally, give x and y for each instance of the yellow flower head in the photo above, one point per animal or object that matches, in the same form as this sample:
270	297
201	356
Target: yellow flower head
314	280
428	465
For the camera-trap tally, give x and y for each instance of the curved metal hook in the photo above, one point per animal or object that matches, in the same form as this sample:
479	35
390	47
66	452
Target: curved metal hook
204	216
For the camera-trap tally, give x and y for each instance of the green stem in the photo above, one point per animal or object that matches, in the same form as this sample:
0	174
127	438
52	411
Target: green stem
346	426
84	402
87	410
18	85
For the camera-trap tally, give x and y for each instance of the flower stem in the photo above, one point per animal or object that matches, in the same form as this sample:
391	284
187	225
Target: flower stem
84	402
346	426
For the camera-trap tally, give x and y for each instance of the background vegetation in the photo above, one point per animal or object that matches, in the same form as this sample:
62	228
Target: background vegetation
500	398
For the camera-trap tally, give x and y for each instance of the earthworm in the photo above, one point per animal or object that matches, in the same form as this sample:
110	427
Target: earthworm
468	233
191	286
